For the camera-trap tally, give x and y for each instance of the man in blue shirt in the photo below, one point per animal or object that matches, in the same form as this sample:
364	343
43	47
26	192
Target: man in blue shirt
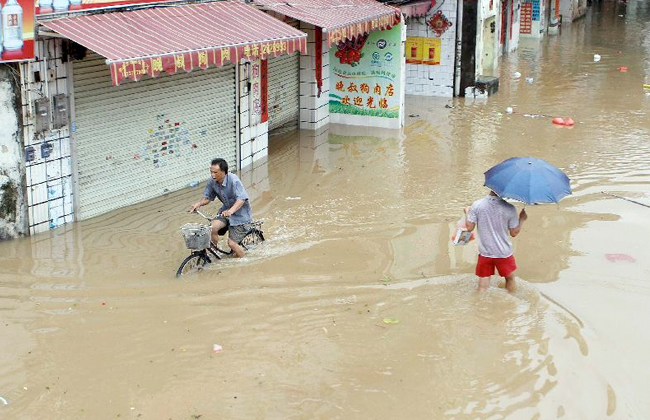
235	211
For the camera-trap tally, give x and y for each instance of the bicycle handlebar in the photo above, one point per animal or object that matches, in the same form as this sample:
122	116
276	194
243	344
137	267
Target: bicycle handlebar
208	218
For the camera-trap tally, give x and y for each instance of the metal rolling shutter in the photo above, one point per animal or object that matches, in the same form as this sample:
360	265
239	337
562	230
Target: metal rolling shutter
141	139
284	91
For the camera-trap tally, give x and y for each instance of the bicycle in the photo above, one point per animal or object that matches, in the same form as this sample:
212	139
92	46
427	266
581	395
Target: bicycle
198	239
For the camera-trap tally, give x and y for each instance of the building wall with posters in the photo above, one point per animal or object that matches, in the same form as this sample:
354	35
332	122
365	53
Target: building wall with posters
367	78
430	54
533	19
13	220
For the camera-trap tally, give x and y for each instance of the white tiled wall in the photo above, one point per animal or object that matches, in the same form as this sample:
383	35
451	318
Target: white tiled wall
49	180
426	80
514	42
314	110
254	136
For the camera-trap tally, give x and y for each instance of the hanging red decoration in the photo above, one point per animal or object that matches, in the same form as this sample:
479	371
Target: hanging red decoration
439	23
349	51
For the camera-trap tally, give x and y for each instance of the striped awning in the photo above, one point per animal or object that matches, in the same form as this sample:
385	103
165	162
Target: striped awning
340	19
149	41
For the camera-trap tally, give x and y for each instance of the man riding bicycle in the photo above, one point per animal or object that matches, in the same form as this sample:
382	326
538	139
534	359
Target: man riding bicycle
235	214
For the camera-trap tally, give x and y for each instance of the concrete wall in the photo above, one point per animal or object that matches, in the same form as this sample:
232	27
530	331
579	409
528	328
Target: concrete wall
572	9
516	4
438	80
486	41
512	28
13	220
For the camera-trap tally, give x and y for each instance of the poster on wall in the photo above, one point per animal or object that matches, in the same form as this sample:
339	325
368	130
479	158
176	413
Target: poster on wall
423	51
365	75
45	7
16	30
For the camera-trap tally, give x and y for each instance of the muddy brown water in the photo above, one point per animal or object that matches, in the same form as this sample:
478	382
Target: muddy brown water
95	326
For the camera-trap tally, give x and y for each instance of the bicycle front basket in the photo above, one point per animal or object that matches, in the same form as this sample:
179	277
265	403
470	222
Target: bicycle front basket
197	236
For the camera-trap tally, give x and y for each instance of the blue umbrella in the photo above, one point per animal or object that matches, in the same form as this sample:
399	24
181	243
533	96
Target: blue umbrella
529	180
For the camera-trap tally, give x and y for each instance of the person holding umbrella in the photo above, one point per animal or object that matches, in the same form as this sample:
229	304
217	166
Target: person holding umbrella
496	220
526	179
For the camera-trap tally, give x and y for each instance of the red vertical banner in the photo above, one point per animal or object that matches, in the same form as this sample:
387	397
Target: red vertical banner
264	90
526	25
318	52
17	26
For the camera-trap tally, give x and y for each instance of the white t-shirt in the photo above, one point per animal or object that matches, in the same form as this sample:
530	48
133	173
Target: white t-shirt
494	218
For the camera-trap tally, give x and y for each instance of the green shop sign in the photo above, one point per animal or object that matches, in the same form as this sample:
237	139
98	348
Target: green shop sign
365	75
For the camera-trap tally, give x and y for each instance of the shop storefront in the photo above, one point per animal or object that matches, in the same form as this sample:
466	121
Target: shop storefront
151	96
331	27
284	93
142	139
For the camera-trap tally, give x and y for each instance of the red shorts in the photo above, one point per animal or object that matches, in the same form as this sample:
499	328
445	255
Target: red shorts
485	266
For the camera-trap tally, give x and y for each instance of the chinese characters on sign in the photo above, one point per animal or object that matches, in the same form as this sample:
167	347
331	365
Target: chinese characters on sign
372	86
526	19
256	93
264	83
378	98
423	51
16	30
171	63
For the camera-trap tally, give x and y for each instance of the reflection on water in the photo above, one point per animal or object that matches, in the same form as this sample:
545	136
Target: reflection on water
94	325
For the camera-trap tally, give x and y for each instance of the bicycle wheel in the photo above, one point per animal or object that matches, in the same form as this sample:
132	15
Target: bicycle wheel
192	263
252	239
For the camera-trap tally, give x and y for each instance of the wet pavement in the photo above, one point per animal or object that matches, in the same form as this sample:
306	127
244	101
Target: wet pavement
358	306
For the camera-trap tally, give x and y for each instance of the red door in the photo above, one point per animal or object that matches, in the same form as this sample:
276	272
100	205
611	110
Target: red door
504	22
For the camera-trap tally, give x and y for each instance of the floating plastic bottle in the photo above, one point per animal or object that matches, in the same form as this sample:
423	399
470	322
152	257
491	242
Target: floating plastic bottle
12	26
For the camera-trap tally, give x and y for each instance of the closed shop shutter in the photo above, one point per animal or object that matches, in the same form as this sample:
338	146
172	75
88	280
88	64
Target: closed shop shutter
284	91
141	139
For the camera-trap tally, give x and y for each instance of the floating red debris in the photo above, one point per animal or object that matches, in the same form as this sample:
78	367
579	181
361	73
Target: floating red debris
619	257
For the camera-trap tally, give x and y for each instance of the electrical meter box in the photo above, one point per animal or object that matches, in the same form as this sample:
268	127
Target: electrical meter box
42	115
60	112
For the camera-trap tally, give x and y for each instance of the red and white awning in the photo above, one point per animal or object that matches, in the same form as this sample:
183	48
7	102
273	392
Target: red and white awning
340	19
150	41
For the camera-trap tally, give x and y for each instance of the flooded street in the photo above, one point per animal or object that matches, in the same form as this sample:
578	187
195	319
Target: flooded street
358	306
